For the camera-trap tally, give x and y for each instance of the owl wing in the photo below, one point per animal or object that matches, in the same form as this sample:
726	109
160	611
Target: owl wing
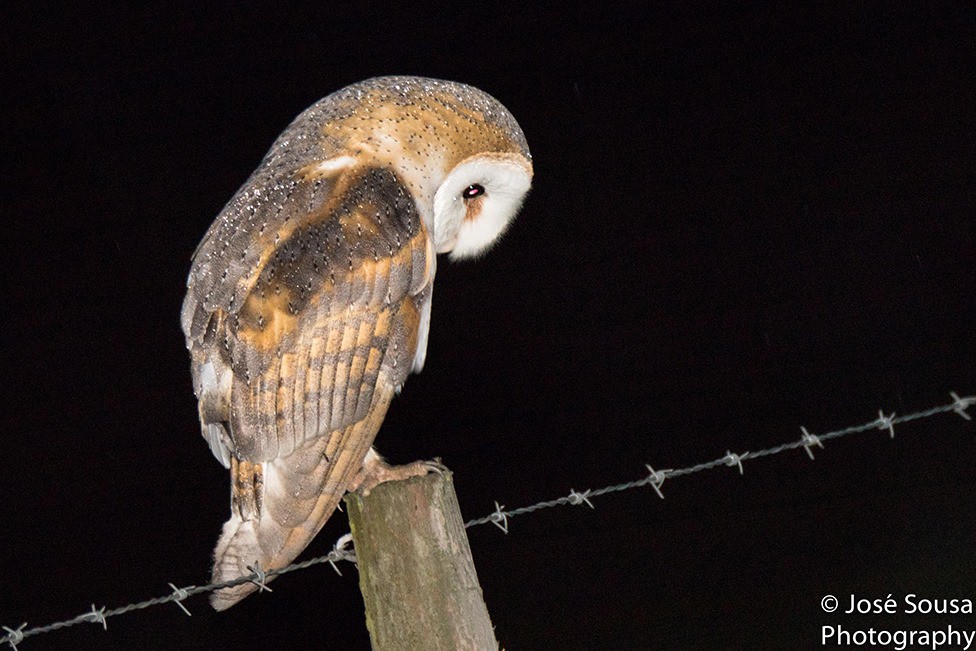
303	321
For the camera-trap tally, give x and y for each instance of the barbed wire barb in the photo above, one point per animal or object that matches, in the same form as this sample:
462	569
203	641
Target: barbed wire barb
960	405
656	479
886	422
809	440
732	460
15	635
342	551
576	498
499	518
97	616
181	594
259	577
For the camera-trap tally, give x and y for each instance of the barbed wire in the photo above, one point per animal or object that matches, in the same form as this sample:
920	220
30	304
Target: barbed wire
500	517
655	478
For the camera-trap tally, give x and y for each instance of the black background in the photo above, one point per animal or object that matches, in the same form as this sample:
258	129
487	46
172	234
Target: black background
743	221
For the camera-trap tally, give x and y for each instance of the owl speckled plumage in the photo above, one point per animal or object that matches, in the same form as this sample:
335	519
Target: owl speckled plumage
308	302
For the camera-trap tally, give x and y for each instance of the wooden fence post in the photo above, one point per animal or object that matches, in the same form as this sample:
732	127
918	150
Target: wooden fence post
415	569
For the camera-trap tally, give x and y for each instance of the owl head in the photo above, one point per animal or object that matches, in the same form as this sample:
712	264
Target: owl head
459	152
477	200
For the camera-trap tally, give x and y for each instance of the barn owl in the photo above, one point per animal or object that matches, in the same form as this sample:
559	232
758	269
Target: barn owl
309	299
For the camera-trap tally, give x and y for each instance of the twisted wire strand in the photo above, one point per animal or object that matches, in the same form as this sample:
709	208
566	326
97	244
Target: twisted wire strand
341	551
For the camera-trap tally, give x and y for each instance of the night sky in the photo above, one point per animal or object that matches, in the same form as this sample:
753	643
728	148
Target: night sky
741	223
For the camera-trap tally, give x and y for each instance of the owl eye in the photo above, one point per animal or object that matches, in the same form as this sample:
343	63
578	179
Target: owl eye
472	191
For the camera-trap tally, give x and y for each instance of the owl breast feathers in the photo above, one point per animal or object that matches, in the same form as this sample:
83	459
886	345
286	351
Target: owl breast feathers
308	302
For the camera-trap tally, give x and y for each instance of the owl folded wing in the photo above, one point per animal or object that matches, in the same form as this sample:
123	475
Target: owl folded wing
294	324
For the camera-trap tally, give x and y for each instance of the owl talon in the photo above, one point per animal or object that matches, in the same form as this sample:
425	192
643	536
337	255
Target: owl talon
376	471
435	465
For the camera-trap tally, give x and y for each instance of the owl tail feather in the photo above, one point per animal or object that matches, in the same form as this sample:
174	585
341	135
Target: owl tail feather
277	507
